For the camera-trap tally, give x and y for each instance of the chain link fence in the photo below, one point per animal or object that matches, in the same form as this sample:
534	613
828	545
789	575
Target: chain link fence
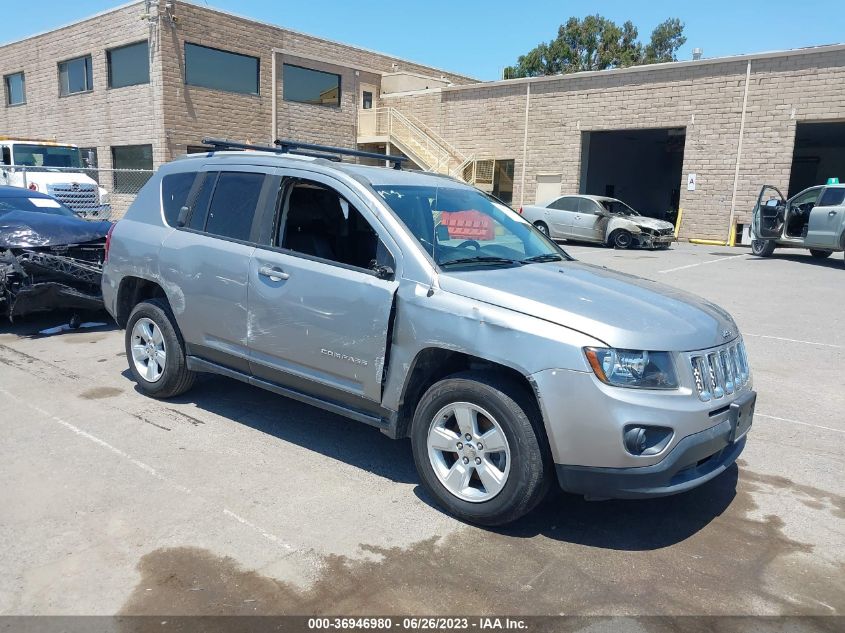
94	193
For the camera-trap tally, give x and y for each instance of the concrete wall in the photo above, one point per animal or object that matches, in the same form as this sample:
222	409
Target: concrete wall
703	97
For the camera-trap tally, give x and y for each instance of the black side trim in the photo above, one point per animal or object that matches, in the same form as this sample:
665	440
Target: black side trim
199	364
221	359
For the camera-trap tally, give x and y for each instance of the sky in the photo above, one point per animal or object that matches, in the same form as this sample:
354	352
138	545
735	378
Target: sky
480	38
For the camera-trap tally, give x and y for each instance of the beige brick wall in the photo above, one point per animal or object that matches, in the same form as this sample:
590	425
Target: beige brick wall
100	118
705	99
192	112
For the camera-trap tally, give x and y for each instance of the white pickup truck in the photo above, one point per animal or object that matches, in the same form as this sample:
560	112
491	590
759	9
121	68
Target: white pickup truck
55	169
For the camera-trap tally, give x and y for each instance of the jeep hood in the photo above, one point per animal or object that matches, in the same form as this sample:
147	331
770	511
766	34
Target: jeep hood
29	229
621	310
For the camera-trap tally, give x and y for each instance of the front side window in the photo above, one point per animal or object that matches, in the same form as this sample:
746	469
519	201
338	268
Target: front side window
15	89
463	227
318	221
31	155
127	161
129	65
76	75
315	87
618	207
233	205
832	197
221	70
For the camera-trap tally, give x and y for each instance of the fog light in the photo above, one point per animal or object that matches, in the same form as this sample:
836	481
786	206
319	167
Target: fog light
646	440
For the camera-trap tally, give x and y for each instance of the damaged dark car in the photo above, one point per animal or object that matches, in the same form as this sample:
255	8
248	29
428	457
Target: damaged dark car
50	258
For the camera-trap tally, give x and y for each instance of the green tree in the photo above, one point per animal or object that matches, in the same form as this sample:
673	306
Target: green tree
597	43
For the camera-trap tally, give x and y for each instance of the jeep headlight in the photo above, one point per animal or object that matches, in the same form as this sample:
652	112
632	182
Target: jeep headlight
632	368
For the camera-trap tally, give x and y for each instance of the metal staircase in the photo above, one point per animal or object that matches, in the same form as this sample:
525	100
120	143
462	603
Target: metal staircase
423	145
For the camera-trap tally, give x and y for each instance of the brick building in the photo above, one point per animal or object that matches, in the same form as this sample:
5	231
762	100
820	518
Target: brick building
700	135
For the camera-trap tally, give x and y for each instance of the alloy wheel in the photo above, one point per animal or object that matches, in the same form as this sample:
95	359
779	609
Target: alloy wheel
469	452
149	353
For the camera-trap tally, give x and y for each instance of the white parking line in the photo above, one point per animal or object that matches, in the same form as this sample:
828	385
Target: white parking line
793	340
815	426
709	261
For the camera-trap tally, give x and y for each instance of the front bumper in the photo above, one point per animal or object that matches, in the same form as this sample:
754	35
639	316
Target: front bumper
695	460
646	240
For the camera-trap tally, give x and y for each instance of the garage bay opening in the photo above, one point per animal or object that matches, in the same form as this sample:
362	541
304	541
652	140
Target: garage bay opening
819	155
640	167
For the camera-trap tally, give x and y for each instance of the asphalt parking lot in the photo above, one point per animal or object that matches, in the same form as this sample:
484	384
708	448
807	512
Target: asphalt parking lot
231	500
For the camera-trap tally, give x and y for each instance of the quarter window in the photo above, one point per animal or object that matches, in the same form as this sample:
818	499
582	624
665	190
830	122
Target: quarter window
76	75
15	89
127	160
174	194
233	205
129	65
221	70
305	85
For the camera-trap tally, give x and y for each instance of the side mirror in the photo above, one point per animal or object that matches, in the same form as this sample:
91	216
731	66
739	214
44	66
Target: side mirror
382	271
182	218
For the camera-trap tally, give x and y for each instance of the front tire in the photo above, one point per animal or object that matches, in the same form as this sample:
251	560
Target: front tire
479	448
543	228
762	248
155	351
820	254
621	238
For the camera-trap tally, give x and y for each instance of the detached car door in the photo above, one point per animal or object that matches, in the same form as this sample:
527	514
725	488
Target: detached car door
321	288
827	220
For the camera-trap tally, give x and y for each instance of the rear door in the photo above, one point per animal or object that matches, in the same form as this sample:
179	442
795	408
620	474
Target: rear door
561	216
769	213
827	219
205	264
319	310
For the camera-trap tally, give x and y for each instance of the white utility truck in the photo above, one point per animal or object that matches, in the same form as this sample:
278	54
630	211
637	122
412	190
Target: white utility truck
56	169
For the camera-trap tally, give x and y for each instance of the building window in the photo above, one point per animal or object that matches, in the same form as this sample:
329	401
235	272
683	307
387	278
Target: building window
304	85
15	89
503	180
220	70
199	149
75	75
129	65
131	157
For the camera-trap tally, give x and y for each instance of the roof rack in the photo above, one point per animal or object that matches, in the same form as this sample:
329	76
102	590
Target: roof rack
303	149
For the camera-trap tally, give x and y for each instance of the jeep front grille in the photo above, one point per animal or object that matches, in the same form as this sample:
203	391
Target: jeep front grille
721	371
78	196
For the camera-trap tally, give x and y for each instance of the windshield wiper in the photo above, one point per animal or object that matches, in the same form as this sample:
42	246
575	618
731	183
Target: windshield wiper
540	259
479	259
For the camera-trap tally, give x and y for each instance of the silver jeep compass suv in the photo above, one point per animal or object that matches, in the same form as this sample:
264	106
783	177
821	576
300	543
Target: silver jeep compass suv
419	305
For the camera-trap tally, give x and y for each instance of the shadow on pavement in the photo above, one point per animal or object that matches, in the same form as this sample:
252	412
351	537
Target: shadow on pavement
834	261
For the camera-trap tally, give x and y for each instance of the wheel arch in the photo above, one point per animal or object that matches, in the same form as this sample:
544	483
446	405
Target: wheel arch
432	364
131	292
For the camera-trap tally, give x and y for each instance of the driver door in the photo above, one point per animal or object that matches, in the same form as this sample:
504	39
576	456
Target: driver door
587	223
769	213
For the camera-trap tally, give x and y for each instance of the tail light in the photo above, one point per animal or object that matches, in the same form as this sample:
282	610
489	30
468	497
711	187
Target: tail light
108	242
520	210
33	186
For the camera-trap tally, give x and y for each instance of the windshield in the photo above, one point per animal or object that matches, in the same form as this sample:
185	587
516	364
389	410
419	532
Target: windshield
38	205
46	156
617	206
463	227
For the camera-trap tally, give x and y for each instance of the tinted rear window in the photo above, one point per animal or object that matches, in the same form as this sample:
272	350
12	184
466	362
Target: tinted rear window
233	205
174	194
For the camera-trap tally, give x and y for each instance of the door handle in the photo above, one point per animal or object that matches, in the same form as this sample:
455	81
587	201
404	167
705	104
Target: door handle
275	274
831	212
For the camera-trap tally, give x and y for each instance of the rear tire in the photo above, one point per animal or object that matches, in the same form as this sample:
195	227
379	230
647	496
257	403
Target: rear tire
820	254
621	238
543	228
490	485
762	248
156	352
